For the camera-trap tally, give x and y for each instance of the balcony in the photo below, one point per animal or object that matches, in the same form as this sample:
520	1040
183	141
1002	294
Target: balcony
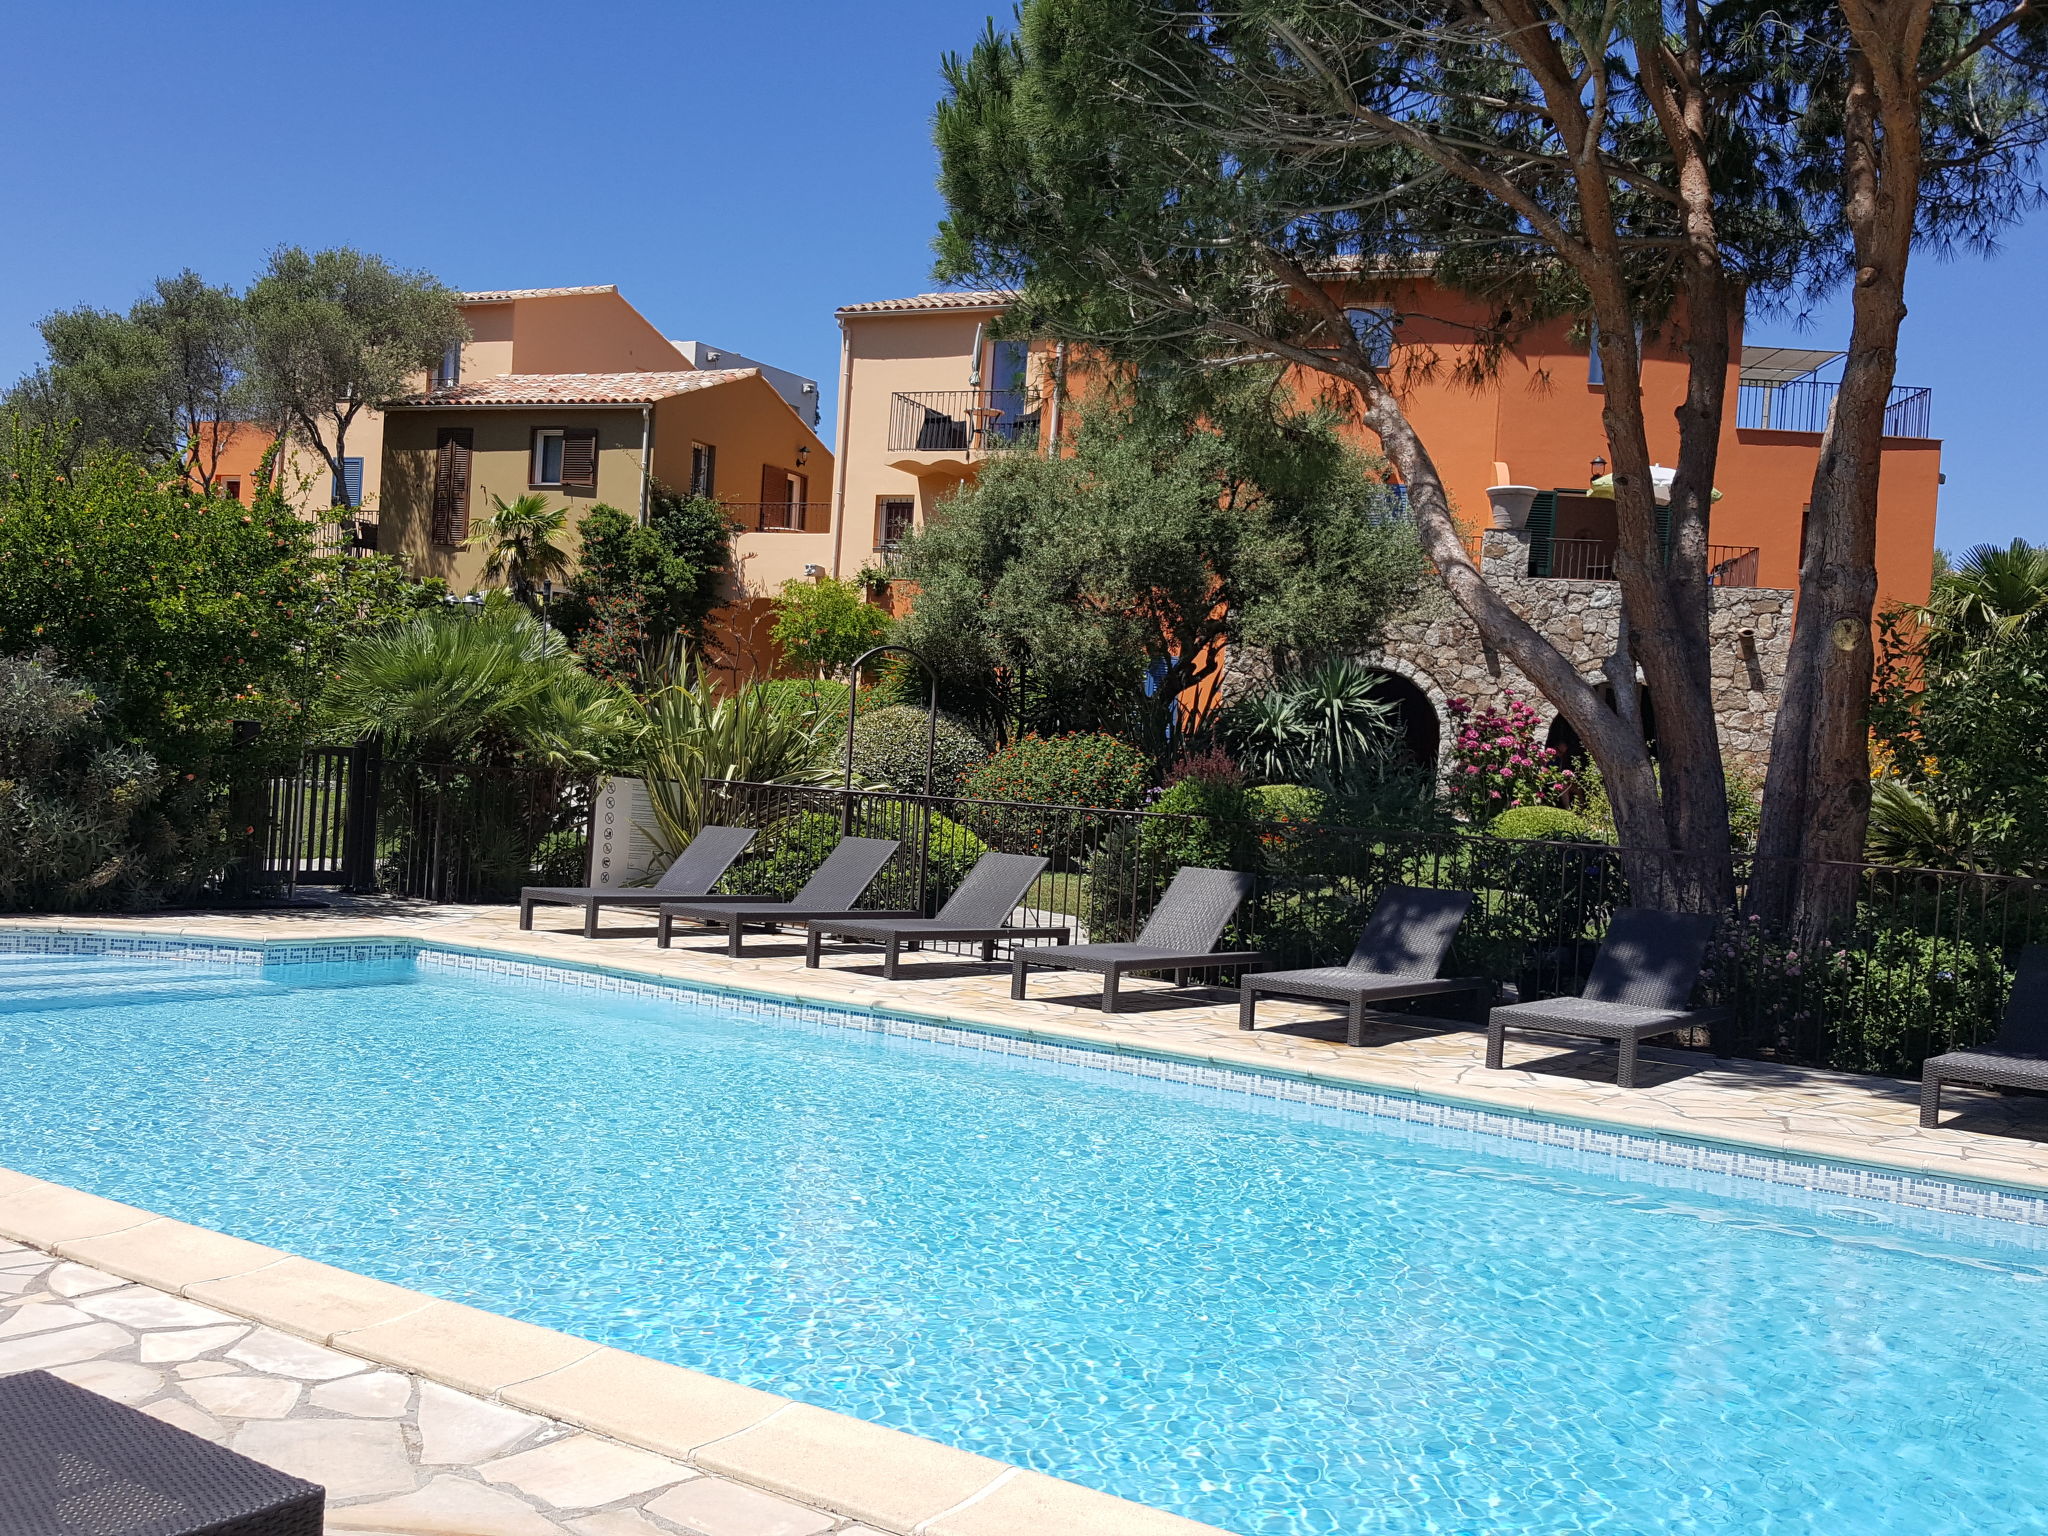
781	516
1807	405
1728	565
963	421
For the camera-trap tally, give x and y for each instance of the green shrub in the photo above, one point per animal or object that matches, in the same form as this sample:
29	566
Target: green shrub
1541	823
81	822
1036	772
804	695
889	748
1219	837
1295	804
1074	769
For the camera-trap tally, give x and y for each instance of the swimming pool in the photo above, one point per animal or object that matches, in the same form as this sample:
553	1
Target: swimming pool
1274	1316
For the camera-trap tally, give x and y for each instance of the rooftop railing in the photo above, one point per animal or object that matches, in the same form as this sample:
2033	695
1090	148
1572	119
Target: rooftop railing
1807	405
964	421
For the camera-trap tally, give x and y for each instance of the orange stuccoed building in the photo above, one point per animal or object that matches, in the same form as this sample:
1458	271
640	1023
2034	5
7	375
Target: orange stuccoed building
927	394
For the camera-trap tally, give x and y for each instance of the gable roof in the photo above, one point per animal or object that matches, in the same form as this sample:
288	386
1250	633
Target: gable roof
500	295
966	298
579	388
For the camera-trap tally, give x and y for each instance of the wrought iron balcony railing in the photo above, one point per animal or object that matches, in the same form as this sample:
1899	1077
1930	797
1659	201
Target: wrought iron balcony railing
1728	565
964	421
782	516
1806	405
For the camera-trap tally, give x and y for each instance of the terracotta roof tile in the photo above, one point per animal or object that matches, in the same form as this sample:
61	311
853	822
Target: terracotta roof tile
499	295
969	298
579	388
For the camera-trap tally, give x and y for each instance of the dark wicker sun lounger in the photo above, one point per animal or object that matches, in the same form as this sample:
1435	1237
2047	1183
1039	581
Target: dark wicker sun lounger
976	912
834	886
694	871
1180	937
72	1461
1642	980
2016	1058
1398	956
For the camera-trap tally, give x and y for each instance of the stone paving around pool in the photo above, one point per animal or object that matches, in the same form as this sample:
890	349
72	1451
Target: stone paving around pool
396	1453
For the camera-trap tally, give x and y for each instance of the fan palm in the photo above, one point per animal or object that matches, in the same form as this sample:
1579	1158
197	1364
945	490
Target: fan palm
522	535
1989	595
496	683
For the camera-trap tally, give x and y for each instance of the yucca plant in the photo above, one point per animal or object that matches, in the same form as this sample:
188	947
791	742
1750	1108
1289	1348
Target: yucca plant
1326	727
493	684
689	733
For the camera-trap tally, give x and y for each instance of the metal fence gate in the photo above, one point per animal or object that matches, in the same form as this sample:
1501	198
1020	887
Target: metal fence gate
321	827
353	819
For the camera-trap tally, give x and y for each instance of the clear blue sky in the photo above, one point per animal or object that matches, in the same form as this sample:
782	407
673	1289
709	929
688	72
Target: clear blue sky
739	170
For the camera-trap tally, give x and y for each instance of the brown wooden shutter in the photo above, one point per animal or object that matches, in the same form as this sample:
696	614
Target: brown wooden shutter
774	494
452	448
579	458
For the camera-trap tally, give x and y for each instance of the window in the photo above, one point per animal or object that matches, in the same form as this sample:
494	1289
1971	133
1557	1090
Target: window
450	512
348	485
547	456
703	469
1596	371
1007	364
894	516
565	456
1373	325
449	373
232	489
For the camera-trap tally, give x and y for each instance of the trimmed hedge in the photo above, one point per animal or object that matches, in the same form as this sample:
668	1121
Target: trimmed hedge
1541	823
1073	770
888	748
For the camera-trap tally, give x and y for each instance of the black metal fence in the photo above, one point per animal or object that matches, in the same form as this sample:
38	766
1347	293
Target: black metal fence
355	820
1923	964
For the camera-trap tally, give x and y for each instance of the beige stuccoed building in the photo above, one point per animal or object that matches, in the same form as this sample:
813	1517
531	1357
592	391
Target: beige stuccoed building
571	393
925	395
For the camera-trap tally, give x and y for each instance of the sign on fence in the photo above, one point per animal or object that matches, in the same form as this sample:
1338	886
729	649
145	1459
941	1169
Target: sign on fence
621	851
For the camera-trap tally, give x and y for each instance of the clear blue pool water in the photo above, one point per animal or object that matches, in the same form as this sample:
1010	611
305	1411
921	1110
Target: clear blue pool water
1275	1318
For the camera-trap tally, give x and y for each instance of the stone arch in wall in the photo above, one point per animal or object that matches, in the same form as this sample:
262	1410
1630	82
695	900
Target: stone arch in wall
1565	737
1421	704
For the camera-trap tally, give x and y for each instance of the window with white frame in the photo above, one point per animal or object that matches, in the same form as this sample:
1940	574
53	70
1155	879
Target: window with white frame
547	455
703	469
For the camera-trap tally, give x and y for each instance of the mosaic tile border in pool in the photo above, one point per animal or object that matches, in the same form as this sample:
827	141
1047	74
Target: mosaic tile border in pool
1948	1196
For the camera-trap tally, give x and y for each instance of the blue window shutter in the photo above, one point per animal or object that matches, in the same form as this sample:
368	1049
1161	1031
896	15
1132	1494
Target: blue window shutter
350	482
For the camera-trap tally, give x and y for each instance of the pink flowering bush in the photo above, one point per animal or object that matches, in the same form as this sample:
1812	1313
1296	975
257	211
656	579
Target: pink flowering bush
1497	762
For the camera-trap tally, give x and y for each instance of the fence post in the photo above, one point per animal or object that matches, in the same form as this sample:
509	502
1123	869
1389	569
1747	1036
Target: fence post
359	830
249	810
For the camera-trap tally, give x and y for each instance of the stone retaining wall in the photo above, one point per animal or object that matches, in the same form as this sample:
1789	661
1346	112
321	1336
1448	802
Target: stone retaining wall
1436	647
